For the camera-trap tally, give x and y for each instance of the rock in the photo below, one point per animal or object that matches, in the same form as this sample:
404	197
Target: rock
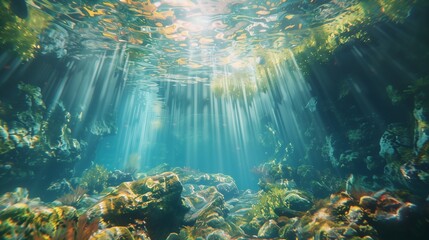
348	159
203	203
252	227
355	215
218	235
288	230
228	190
368	202
243	204
60	187
48	221
113	233
224	184
207	213
340	203
19	213
350	232
391	210
395	142
154	202
20	195
415	174
14	221
270	229
117	177
297	202
41	137
30	221
287	212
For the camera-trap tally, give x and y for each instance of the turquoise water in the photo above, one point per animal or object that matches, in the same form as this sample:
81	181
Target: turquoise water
323	100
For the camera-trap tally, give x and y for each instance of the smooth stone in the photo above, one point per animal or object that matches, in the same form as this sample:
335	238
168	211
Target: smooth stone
297	202
355	214
270	229
350	232
113	233
368	202
218	235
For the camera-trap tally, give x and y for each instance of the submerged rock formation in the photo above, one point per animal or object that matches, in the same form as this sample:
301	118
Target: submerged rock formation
34	140
151	204
160	207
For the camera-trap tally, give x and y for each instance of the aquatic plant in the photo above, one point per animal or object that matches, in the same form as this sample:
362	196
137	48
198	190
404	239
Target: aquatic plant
74	197
328	151
81	228
268	201
21	35
95	178
86	227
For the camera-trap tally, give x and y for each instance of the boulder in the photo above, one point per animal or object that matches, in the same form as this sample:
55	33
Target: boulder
113	233
297	201
368	202
270	229
152	202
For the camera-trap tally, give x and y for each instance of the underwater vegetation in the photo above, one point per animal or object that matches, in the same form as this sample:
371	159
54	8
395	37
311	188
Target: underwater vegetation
164	206
19	32
31	137
94	179
352	173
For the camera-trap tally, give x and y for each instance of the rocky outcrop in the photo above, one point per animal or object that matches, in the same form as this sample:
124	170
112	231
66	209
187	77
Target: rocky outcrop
34	139
152	203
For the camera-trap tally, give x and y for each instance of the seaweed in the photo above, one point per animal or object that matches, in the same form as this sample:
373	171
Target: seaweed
95	178
74	197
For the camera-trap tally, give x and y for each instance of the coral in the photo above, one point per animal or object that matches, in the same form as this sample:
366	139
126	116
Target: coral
95	178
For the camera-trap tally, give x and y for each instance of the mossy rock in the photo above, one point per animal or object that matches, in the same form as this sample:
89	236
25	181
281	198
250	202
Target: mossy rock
297	202
18	213
113	233
154	201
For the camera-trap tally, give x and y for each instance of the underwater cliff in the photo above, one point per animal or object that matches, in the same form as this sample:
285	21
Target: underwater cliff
214	119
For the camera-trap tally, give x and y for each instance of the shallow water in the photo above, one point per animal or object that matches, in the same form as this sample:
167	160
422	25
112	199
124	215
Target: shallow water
313	96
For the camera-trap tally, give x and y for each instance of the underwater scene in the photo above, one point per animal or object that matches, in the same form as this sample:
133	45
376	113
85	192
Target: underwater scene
214	119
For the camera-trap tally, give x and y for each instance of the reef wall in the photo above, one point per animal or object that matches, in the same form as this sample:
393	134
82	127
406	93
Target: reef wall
36	145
